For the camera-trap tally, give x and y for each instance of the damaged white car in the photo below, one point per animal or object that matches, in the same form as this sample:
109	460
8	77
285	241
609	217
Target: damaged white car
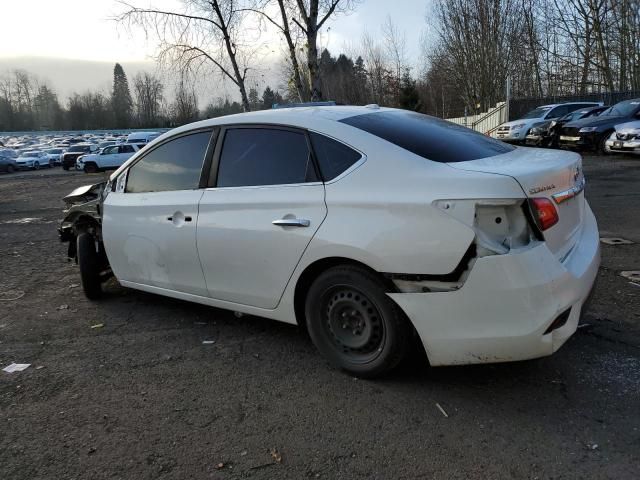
371	227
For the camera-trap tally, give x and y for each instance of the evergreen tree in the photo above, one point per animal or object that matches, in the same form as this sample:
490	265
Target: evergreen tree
409	95
254	99
121	101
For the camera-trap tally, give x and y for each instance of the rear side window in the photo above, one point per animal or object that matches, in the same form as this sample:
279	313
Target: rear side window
264	156
333	157
175	165
429	137
126	149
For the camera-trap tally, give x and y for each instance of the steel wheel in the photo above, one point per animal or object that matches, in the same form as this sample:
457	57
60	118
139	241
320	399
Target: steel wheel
353	322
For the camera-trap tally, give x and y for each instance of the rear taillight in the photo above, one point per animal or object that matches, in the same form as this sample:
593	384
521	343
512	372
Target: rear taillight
544	213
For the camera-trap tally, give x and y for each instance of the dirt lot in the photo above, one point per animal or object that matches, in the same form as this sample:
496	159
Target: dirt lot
143	397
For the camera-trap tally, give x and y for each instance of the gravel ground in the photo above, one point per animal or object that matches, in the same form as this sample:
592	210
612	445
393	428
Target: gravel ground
143	398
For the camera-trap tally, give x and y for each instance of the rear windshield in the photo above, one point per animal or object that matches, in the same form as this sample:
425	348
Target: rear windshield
429	137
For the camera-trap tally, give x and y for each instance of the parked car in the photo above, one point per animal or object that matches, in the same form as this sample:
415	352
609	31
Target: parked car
370	226
9	152
32	160
7	164
142	137
625	138
108	158
592	133
516	130
74	151
54	155
545	134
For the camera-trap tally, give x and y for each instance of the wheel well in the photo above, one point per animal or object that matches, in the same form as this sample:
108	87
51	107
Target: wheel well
314	270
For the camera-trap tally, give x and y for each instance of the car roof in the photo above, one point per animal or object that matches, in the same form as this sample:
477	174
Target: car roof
285	116
551	105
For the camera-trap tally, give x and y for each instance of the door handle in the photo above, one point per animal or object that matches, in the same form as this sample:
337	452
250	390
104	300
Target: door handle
292	222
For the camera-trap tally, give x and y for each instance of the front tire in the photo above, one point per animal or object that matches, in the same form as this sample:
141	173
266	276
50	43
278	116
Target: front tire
90	168
89	264
10	169
602	143
36	166
353	322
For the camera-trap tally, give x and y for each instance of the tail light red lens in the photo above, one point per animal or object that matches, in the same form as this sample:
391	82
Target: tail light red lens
544	213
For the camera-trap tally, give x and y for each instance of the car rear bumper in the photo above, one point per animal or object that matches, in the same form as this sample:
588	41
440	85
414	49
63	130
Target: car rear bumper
507	305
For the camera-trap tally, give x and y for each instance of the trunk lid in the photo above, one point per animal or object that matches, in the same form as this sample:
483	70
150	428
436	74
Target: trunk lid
544	173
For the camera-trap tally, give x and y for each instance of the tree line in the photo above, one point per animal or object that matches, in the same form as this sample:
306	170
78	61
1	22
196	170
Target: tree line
471	50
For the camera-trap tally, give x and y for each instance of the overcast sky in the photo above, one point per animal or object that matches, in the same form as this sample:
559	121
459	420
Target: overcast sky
82	30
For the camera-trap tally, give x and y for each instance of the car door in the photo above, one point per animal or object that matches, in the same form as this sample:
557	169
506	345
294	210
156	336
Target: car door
150	217
264	204
124	153
108	157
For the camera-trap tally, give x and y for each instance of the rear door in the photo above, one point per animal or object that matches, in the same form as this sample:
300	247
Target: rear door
124	153
149	221
265	203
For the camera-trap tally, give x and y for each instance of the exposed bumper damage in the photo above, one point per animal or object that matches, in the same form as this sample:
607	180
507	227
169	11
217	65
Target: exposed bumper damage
83	213
505	308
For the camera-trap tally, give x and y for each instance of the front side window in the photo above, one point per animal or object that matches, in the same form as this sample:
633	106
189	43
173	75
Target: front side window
264	156
174	165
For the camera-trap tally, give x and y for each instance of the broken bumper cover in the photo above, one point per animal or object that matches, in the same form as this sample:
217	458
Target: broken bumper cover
507	304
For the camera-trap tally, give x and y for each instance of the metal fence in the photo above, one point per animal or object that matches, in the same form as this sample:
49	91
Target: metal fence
518	107
485	122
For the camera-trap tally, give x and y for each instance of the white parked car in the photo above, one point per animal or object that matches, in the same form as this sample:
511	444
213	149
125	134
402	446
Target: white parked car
625	138
372	227
54	155
142	137
32	160
108	158
516	130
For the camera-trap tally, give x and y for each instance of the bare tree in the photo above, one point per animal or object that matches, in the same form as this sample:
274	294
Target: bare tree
184	108
202	33
148	98
395	47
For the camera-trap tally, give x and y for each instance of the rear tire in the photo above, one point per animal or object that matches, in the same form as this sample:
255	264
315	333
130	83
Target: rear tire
10	169
36	166
89	264
64	167
353	322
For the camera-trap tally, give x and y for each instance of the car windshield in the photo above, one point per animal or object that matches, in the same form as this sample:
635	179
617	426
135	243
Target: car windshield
622	109
78	148
537	113
54	150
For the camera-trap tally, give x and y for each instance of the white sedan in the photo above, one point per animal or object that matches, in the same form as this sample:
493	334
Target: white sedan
371	227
